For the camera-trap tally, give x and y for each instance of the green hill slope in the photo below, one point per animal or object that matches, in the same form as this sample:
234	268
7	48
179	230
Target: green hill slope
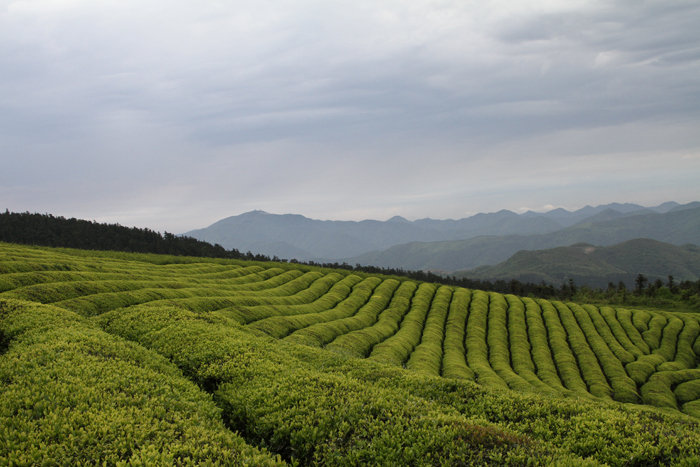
108	357
675	227
596	266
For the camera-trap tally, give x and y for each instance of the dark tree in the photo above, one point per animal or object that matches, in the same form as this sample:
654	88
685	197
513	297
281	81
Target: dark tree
640	283
672	285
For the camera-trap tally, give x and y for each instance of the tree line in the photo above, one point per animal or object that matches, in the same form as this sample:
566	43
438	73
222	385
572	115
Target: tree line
55	231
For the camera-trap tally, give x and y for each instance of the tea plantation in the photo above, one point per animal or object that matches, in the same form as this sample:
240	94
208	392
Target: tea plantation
121	358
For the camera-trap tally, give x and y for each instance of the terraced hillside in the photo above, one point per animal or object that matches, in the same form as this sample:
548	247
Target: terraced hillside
149	358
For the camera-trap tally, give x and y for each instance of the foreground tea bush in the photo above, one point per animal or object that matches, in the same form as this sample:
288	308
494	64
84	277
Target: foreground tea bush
72	394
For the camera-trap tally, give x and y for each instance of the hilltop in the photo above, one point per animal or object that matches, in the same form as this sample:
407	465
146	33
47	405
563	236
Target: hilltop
597	266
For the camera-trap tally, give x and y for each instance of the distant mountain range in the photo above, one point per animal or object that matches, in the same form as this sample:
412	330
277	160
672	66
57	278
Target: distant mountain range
451	245
606	228
597	266
296	236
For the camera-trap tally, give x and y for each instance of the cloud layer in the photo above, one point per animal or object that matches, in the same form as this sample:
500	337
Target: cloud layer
174	114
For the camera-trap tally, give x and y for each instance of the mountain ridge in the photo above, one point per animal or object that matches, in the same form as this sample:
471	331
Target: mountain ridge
299	237
677	227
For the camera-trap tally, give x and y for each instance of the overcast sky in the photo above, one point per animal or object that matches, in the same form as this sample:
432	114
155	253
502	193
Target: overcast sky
174	114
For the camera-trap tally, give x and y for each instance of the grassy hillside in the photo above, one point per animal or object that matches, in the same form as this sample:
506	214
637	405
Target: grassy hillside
160	359
596	266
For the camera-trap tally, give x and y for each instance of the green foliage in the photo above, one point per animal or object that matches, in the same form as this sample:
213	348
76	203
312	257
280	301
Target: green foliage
312	406
454	363
542	356
476	344
313	330
587	361
612	333
624	388
657	391
624	318
73	394
688	391
365	316
564	359
198	361
278	400
396	349
427	356
498	344
332	289
690	332
520	348
652	336
359	343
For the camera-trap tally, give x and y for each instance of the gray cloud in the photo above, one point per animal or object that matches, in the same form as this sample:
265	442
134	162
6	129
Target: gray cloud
174	114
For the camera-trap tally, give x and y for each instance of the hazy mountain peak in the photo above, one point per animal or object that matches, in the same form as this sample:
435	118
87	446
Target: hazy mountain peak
665	207
398	219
